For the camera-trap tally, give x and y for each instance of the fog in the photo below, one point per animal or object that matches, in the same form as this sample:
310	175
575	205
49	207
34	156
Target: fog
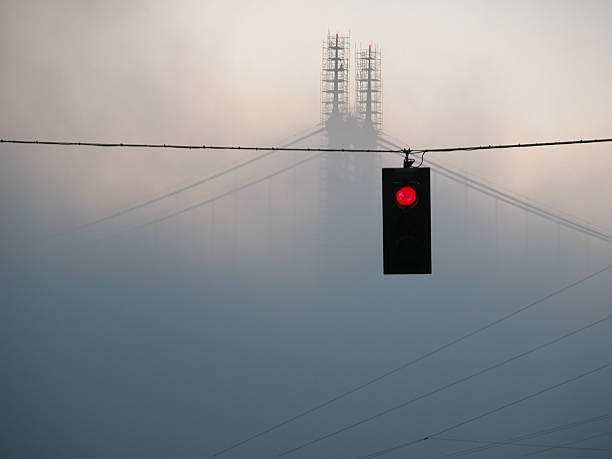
181	338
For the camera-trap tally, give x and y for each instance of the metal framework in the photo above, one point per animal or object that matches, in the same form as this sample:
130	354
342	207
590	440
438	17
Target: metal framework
335	77
368	86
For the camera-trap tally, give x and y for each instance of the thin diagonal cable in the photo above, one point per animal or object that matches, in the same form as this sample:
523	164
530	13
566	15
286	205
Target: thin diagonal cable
411	362
534	209
210	200
509	199
527	207
573	442
530	445
442	388
515	201
383	142
486	413
528	436
184	188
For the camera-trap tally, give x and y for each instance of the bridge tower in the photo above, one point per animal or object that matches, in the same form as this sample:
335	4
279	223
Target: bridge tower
368	93
350	178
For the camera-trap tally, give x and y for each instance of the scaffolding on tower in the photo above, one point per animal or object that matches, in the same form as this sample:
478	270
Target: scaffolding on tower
346	177
335	77
368	87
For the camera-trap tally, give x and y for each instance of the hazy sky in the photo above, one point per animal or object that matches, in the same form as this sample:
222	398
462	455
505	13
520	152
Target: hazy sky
180	339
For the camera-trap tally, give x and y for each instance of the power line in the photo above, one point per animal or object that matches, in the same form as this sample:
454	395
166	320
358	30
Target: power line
486	413
474	180
271	150
184	188
257	148
442	388
531	445
493	192
409	363
466	180
193	147
573	442
528	436
523	205
470	180
213	199
223	195
512	200
505	146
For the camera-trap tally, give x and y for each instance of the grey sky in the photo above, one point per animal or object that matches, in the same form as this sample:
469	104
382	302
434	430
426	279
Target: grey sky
179	339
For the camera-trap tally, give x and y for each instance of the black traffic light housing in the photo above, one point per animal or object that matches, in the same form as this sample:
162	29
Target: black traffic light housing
406	220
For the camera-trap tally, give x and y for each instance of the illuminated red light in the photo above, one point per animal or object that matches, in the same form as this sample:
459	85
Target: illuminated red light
336	36
406	196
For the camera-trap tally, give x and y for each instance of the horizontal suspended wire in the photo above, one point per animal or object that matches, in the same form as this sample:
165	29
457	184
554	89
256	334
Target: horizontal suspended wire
514	201
465	180
346	150
391	449
526	200
494	193
510	145
409	363
529	436
573	442
524	205
442	388
219	197
492	186
530	445
182	189
196	147
497	194
272	149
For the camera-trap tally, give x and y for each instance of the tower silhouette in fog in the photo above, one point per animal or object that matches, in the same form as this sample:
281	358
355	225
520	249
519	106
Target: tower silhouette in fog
352	181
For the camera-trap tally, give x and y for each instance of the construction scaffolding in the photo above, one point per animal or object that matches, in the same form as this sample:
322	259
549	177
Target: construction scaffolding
368	87
335	77
348	178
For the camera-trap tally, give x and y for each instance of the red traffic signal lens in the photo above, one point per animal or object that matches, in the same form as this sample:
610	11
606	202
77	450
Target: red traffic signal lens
406	196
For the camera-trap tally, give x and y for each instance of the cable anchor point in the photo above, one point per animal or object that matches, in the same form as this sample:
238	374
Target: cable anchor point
408	161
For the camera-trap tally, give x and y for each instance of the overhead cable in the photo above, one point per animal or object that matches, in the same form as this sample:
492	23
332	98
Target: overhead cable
443	388
523	205
509	145
183	188
512	200
211	200
193	147
409	363
529	436
531	445
463	179
258	148
573	442
391	449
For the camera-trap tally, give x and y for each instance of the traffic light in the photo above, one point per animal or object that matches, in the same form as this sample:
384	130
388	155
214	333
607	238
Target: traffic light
406	221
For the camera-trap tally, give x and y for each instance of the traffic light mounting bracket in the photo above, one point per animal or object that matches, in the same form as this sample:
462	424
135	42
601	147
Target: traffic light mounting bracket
408	161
